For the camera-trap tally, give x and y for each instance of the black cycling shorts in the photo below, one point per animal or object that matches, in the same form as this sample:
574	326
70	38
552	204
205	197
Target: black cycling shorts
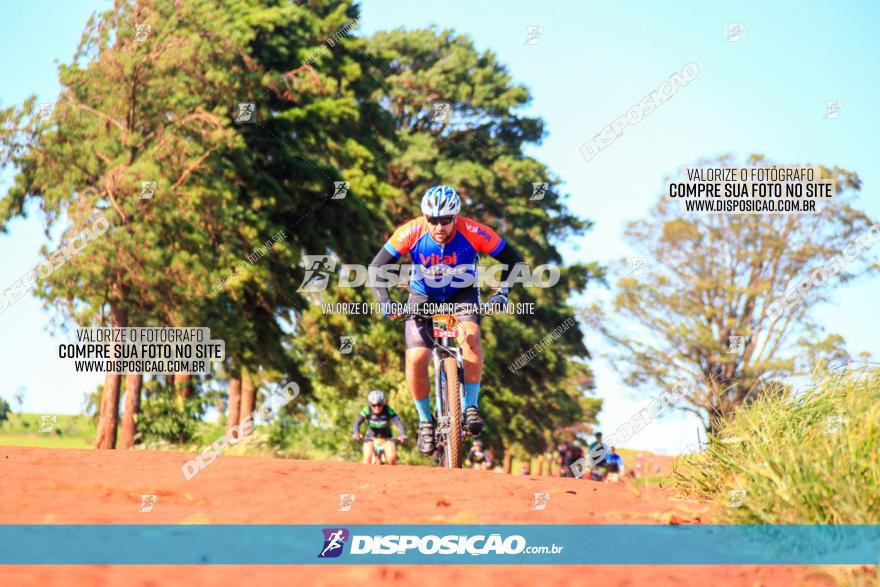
419	332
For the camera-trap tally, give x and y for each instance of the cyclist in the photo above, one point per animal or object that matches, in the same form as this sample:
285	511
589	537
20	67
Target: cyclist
379	417
568	454
477	458
614	464
598	458
444	248
598	451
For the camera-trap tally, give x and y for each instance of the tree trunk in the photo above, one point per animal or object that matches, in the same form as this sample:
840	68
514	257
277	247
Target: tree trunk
108	418
539	464
183	385
508	462
248	400
133	383
234	403
109	413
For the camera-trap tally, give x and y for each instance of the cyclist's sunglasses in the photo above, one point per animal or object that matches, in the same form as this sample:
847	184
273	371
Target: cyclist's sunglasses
441	220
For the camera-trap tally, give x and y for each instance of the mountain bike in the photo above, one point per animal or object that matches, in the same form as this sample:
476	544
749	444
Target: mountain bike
379	456
450	428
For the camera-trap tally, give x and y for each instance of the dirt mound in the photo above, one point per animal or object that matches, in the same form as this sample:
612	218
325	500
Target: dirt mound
71	486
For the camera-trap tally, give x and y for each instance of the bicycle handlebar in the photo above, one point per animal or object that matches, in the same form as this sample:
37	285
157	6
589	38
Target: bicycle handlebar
396	439
428	310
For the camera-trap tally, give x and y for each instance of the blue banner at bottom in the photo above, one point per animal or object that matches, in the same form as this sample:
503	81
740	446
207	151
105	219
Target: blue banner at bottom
440	544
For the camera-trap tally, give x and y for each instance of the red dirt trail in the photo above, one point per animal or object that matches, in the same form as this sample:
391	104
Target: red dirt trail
71	486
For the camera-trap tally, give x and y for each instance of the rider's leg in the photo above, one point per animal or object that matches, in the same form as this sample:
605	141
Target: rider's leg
419	342
391	451
417	358
368	451
472	354
417	379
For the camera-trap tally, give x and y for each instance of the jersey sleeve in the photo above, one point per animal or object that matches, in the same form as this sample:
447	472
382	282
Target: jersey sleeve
365	412
481	237
405	237
391	411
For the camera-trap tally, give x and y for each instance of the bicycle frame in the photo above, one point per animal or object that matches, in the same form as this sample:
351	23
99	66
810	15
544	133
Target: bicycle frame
379	456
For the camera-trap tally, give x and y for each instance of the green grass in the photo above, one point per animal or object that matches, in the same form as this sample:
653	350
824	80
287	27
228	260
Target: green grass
45	441
67	431
651	481
782	451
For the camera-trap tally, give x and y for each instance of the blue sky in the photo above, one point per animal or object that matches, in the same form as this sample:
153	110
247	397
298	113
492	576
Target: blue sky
766	93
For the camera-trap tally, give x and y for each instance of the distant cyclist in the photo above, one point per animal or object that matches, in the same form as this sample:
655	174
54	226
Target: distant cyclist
477	458
444	248
379	417
568	454
614	464
598	451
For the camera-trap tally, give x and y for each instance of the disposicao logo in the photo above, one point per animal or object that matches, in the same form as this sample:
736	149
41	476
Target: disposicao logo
334	540
408	544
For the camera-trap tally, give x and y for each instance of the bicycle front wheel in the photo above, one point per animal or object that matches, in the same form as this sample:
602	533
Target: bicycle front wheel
453	409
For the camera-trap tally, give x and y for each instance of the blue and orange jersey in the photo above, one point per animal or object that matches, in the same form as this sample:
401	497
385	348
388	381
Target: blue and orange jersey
456	258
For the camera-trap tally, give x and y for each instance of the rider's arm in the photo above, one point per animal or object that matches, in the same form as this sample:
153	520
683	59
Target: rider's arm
394	248
380	290
487	241
399	423
509	257
357	424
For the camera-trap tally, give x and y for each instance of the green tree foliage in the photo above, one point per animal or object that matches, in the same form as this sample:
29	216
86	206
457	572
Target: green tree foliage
478	149
714	277
133	110
5	410
314	123
163	417
160	109
157	109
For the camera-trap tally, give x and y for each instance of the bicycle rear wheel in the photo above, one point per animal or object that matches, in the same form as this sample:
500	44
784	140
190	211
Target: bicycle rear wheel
453	408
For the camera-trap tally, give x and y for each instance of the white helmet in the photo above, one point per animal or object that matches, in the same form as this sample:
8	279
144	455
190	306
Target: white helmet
376	398
441	200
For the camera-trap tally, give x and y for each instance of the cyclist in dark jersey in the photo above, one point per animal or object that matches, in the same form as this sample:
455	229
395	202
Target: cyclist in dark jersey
379	417
477	458
444	248
567	454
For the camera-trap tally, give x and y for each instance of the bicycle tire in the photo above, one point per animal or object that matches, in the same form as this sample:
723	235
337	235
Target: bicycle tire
453	405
